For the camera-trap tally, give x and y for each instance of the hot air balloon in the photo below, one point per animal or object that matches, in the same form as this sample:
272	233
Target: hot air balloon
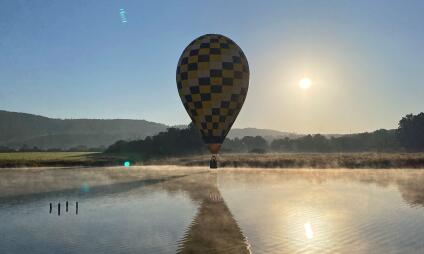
212	81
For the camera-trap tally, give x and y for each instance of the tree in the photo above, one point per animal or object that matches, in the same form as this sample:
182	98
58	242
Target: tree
168	143
282	145
257	142
5	149
233	145
411	132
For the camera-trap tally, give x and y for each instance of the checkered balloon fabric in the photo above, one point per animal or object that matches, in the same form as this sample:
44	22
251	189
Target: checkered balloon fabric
212	80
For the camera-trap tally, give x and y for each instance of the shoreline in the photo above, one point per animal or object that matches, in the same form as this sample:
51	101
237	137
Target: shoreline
312	160
245	160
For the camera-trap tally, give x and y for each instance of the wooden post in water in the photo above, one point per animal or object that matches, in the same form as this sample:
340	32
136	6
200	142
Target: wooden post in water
66	206
51	208
58	209
76	208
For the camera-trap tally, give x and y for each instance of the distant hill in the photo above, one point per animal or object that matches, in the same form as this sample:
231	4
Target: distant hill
22	129
18	129
268	134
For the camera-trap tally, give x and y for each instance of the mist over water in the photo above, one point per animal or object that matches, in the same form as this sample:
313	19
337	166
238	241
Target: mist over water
171	209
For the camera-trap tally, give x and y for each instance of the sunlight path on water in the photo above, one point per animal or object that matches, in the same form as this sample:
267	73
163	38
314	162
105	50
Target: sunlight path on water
294	212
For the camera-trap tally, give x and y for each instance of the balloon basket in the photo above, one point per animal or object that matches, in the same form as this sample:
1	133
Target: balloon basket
213	163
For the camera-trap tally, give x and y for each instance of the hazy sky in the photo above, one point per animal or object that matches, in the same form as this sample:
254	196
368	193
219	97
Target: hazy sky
78	59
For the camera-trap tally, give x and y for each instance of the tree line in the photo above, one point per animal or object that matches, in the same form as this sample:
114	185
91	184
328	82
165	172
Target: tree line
173	142
409	136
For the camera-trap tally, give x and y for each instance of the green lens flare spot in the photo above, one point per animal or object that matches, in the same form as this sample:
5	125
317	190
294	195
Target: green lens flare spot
85	188
127	164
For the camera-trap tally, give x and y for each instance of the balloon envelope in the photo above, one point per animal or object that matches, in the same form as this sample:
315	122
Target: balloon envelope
212	81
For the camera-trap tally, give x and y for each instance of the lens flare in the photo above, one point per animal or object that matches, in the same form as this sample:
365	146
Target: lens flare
123	15
85	188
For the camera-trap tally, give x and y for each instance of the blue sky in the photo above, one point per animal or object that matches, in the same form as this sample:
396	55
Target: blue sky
77	59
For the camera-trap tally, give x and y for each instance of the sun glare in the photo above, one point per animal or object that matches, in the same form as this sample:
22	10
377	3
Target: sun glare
305	83
308	231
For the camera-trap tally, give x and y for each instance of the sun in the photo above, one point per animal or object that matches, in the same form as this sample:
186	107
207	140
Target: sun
305	83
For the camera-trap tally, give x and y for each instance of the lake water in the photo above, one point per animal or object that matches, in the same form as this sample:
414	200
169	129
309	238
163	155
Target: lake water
194	210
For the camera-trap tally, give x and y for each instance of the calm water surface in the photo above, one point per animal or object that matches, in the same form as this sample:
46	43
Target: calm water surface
193	210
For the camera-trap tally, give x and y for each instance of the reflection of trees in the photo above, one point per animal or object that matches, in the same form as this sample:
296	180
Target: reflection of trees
47	184
412	190
410	183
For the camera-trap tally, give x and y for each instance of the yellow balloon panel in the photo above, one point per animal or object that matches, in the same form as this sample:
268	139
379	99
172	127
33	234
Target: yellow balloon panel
212	81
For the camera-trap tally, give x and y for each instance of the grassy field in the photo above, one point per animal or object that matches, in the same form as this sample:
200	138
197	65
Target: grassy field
285	160
45	159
